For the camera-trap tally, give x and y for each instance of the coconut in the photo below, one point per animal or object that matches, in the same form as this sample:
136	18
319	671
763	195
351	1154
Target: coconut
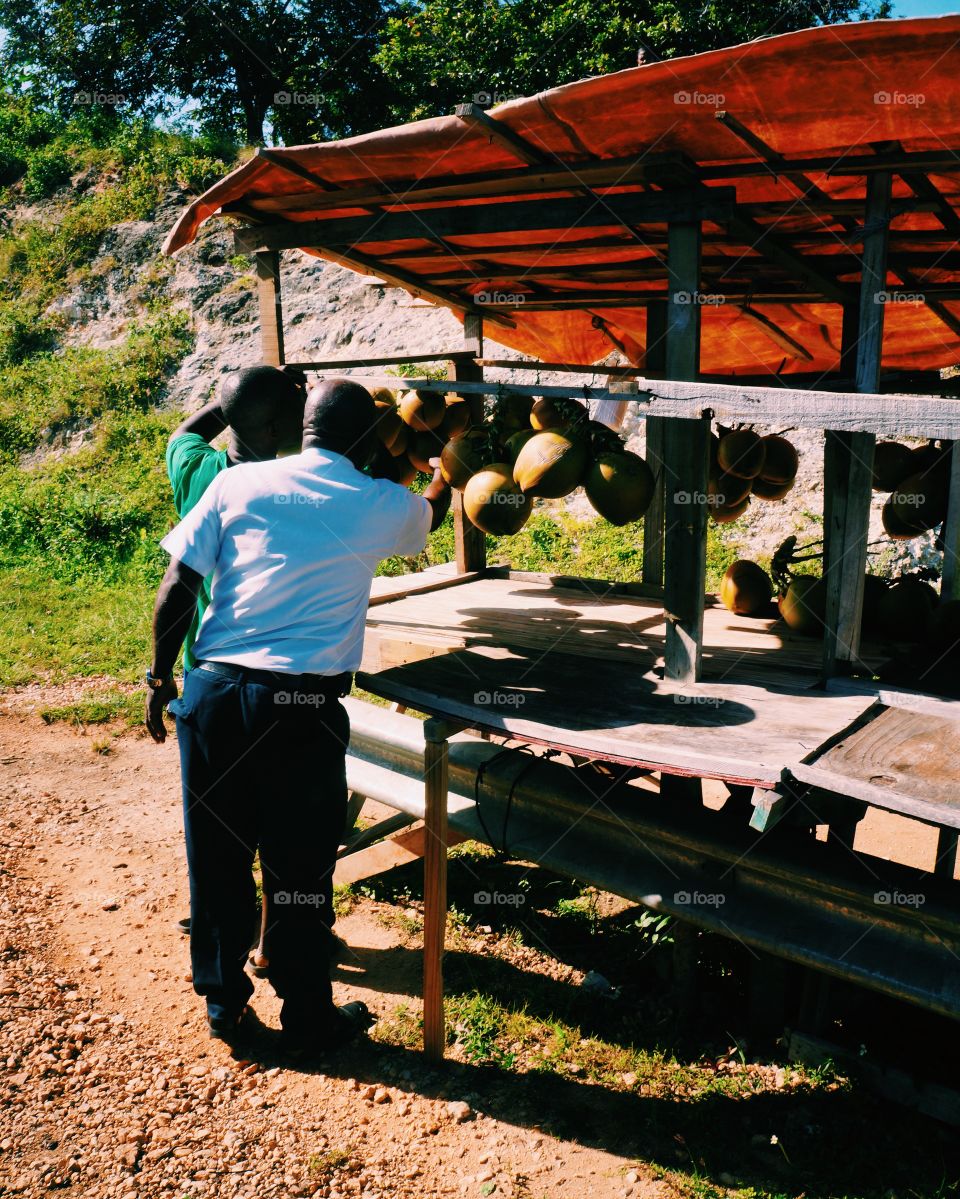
892	463
918	504
780	461
726	491
423	447
620	486
551	464
462	457
764	490
557	413
456	418
423	410
401	443
803	606
512	411
906	609
516	441
383	395
723	514
746	588
397	469
387	422
741	453
493	501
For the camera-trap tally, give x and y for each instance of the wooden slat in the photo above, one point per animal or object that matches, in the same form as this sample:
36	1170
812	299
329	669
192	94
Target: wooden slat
435	777
470	544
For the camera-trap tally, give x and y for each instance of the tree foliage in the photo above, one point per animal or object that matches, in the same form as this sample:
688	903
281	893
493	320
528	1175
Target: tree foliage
312	70
444	52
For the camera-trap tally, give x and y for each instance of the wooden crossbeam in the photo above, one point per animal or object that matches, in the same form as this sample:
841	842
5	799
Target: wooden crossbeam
574	212
593	173
925	189
777	335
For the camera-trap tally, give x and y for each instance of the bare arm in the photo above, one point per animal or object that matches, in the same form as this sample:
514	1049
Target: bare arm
175	605
437	495
207	423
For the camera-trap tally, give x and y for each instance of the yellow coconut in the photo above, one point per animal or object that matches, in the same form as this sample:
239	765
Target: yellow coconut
892	463
423	410
550	413
494	503
765	490
387	422
723	514
456	418
551	464
803	606
746	589
780	460
620	486
462	457
423	447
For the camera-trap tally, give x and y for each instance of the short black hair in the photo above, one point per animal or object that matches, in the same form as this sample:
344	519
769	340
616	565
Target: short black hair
340	414
252	397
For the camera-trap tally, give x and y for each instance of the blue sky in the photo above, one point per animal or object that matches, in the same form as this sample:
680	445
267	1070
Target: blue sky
923	8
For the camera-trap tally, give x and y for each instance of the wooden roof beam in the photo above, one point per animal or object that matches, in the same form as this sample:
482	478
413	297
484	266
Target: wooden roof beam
582	212
501	135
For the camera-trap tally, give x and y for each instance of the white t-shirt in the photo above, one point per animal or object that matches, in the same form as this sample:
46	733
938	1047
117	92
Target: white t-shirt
293	545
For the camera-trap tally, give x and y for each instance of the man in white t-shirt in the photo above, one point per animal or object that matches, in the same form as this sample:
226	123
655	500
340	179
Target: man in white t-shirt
292	546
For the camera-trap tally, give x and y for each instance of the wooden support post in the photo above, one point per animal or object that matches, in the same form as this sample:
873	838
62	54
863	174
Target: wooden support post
470	547
686	451
655	365
271	309
435	777
848	457
950	576
946	863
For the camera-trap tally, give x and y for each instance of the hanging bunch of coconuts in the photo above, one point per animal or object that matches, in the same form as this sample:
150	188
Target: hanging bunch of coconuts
744	464
522	450
918	482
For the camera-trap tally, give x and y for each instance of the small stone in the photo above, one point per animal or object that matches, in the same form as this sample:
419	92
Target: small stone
382	1095
459	1111
109	905
631	1177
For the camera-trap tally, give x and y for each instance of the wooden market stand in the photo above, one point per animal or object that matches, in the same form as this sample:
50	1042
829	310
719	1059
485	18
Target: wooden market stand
662	250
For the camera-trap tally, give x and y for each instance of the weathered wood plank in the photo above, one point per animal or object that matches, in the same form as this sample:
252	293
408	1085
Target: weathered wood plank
436	784
655	363
470	543
740	732
685	467
271	307
903	761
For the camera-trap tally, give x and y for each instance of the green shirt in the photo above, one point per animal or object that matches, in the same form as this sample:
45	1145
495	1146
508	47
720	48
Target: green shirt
192	465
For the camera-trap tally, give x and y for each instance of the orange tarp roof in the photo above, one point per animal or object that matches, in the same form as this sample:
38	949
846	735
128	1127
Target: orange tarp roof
826	96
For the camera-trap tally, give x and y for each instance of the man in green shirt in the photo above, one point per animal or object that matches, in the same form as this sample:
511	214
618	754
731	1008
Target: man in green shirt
262	406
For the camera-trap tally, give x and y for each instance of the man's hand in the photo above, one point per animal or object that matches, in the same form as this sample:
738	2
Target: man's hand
157	700
437	494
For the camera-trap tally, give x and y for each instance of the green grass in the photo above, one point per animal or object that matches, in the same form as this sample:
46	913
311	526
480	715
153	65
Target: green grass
97	709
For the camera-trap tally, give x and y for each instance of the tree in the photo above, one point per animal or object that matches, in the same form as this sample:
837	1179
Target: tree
306	65
443	52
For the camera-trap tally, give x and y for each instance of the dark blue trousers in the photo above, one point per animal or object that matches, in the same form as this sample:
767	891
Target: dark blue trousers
261	772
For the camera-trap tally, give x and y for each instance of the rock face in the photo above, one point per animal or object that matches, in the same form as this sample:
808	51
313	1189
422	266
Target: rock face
330	312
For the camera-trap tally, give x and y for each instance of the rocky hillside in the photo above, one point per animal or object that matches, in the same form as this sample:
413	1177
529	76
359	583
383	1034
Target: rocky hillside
332	312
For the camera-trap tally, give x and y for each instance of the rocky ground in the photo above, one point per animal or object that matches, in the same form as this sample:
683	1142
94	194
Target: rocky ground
110	1086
